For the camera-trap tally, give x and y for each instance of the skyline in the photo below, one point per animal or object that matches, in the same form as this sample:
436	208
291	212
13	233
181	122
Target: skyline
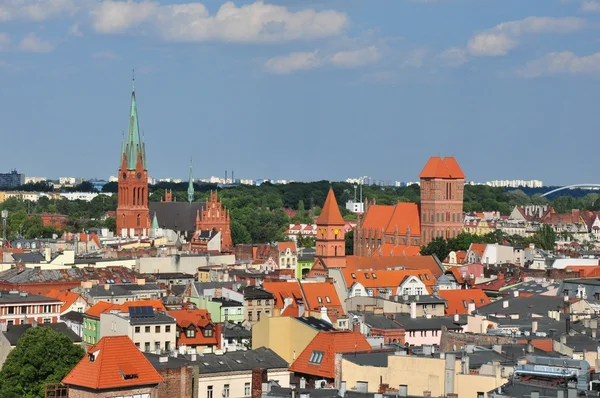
302	90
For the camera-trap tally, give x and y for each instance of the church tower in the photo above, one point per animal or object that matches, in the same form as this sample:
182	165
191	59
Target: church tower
330	242
132	210
442	188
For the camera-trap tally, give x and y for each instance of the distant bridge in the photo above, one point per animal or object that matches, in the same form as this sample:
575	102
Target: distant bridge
571	187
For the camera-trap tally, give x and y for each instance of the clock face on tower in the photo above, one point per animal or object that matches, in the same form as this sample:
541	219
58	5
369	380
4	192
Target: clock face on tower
139	176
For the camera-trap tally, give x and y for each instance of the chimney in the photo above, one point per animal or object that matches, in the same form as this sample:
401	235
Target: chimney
456	317
505	304
534	326
106	286
259	376
302	383
563	340
529	347
516	293
342	390
471	308
413	310
593	333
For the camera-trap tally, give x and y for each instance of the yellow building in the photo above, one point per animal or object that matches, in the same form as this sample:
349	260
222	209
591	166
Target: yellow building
479	227
287	336
417	375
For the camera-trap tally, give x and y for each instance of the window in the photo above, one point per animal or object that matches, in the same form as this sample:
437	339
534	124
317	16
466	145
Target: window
423	333
420	277
208	333
147	329
225	311
47	320
258	302
239	311
157	346
137	345
319	299
353	275
10	323
316	357
258	315
418	290
367	275
209	392
464	303
23	309
427	276
226	390
370	292
168	328
11	310
480	395
373	275
147	347
137	329
22	321
157	329
167	346
433	306
250	316
191	333
246	389
327	299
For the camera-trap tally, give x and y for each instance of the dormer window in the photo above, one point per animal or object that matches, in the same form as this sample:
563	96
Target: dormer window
367	275
208	332
374	276
427	276
353	275
190	333
319	299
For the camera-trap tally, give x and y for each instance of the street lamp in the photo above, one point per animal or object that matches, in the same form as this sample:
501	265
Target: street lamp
4	218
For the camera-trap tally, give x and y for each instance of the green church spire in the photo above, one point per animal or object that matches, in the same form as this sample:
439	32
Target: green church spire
155	222
134	144
190	190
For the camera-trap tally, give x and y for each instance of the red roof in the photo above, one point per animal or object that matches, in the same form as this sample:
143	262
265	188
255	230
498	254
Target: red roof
100	307
541	344
437	167
478	248
390	262
103	306
457	301
321	294
283	246
389	249
282	290
330	215
406	215
67	297
197	319
387	278
117	363
322	349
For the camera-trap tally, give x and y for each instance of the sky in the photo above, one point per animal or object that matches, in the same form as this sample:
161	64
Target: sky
303	90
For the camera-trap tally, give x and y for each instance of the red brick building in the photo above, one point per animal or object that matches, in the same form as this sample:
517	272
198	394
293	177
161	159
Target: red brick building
215	216
58	221
132	209
330	243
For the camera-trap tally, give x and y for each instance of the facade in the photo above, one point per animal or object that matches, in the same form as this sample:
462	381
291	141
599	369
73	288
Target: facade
216	217
330	243
258	302
196	332
18	308
132	210
150	331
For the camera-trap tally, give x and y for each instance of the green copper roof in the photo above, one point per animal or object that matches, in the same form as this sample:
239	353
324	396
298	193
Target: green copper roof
155	222
190	191
133	144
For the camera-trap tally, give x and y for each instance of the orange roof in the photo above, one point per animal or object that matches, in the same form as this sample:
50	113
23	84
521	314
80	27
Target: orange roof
540	344
67	297
103	306
115	358
318	357
377	217
406	215
389	262
282	290
388	249
386	278
330	215
457	301
100	307
478	248
321	294
197	319
283	246
584	272
437	167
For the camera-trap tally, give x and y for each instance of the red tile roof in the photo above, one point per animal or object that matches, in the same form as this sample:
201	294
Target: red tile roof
100	307
283	246
321	294
114	358
457	300
330	215
197	319
541	344
326	345
386	278
390	262
478	248
389	249
103	306
437	167
67	297
406	215
282	290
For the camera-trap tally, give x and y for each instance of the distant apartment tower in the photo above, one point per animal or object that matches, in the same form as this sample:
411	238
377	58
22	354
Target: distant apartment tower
12	179
442	188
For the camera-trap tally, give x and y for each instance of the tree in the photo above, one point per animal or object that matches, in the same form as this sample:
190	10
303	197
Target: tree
545	237
41	356
349	243
111	224
437	246
239	233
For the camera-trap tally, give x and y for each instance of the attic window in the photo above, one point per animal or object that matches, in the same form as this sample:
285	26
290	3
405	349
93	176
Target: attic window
316	357
353	275
190	333
465	303
367	275
327	299
238	361
427	276
319	299
482	301
420	277
374	276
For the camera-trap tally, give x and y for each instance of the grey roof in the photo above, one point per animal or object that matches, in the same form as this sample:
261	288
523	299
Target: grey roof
233	330
226	302
523	305
422	323
282	392
122	289
581	342
172	275
28	257
14	332
377	359
531	288
73	316
256	293
178	216
420	299
14	296
32	275
381	322
169	363
157	318
316	323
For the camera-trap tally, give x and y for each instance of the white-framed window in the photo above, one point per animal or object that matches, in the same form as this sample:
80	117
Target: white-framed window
226	391
247	389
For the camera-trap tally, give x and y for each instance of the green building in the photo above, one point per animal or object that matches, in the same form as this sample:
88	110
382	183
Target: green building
220	309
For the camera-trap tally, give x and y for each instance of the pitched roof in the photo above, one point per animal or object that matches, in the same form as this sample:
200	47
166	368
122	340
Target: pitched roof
386	278
67	297
457	301
437	167
478	248
103	306
317	359
198	319
390	262
282	290
321	294
377	217
330	215
114	358
100	307
389	249
406	215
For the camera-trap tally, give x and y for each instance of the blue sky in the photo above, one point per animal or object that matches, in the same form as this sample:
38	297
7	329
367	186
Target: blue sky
303	90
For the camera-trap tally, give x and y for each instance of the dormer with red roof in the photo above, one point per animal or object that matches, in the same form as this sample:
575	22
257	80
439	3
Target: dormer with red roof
195	330
113	367
330	242
442	188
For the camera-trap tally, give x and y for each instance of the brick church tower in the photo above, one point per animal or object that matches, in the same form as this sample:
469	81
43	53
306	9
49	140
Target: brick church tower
215	216
442	188
330	242
132	210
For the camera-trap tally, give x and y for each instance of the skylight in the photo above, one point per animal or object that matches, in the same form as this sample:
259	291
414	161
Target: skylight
316	357
465	303
374	276
353	275
367	275
319	299
327	299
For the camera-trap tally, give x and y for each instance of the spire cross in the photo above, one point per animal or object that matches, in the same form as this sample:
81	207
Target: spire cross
133	78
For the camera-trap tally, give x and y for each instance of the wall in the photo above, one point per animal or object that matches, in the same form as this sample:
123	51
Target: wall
5	348
284	335
451	339
177	383
237	383
186	264
119	325
74	392
423	337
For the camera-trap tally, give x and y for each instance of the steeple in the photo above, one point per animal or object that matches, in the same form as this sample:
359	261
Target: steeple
190	190
133	145
330	215
155	222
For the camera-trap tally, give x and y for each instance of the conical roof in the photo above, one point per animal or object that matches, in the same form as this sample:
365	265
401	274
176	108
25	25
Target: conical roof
330	215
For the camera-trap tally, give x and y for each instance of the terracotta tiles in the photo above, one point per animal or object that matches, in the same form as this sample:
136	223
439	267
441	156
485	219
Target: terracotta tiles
330	215
457	301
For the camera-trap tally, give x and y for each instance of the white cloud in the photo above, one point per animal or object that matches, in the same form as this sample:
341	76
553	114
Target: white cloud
564	62
356	58
4	41
75	31
293	62
502	38
256	22
454	57
32	43
36	10
105	55
299	61
590	6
